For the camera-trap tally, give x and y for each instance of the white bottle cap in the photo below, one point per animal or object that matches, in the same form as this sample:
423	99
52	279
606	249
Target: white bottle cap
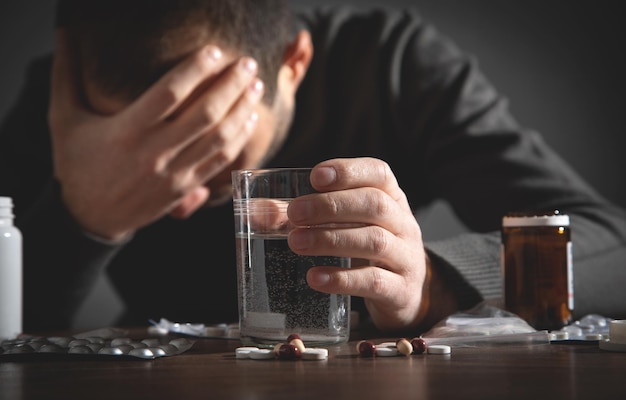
536	220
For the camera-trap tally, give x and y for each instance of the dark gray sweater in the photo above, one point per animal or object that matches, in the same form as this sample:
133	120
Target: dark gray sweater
383	84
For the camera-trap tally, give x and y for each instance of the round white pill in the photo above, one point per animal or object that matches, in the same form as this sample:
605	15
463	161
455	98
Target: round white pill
560	335
262	354
439	349
314	353
387	351
386	344
244	352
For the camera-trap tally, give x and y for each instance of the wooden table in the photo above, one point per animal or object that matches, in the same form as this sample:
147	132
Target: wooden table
209	370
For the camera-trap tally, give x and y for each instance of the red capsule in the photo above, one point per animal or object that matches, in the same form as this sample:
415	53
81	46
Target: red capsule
366	348
419	345
289	352
292	337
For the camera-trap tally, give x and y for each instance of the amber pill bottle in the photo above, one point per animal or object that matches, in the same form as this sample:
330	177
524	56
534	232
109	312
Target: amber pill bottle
537	268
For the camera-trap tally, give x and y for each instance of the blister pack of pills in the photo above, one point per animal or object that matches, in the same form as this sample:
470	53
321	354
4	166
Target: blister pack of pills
591	327
96	347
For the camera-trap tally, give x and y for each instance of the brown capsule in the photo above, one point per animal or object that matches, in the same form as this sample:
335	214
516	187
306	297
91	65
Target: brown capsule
366	348
419	345
289	352
404	346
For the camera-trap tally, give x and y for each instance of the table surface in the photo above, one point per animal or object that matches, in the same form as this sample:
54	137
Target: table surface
209	370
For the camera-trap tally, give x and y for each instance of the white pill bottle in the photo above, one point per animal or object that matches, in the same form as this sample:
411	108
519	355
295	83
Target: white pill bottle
10	273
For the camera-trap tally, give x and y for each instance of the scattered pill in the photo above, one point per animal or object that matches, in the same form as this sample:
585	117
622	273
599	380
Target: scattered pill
298	343
366	348
404	347
439	349
312	353
560	335
419	345
261	354
289	352
292	337
387	351
244	352
387	344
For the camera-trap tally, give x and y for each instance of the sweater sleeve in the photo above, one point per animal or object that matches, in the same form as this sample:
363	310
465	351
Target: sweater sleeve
61	263
484	163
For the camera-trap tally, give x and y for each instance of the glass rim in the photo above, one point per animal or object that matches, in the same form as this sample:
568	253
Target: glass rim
272	169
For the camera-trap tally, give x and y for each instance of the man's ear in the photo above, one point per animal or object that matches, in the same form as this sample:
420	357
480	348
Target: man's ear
296	62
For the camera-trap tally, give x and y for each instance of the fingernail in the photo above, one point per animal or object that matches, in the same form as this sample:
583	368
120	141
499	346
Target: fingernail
256	88
318	279
324	176
249	65
213	53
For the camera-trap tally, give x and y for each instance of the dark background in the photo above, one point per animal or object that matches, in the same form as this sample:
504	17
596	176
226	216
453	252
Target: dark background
561	64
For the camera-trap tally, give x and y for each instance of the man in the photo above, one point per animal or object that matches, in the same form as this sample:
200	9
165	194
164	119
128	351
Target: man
153	103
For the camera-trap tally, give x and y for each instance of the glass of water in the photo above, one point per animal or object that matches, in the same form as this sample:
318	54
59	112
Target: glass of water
275	300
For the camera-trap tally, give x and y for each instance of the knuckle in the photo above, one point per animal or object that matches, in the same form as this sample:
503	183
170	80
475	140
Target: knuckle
379	240
167	96
332	205
381	204
335	239
377	281
341	280
209	114
384	170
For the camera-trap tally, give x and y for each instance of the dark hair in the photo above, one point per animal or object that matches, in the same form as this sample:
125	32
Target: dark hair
127	45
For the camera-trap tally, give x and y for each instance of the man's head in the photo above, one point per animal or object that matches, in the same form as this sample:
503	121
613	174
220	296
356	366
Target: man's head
124	46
